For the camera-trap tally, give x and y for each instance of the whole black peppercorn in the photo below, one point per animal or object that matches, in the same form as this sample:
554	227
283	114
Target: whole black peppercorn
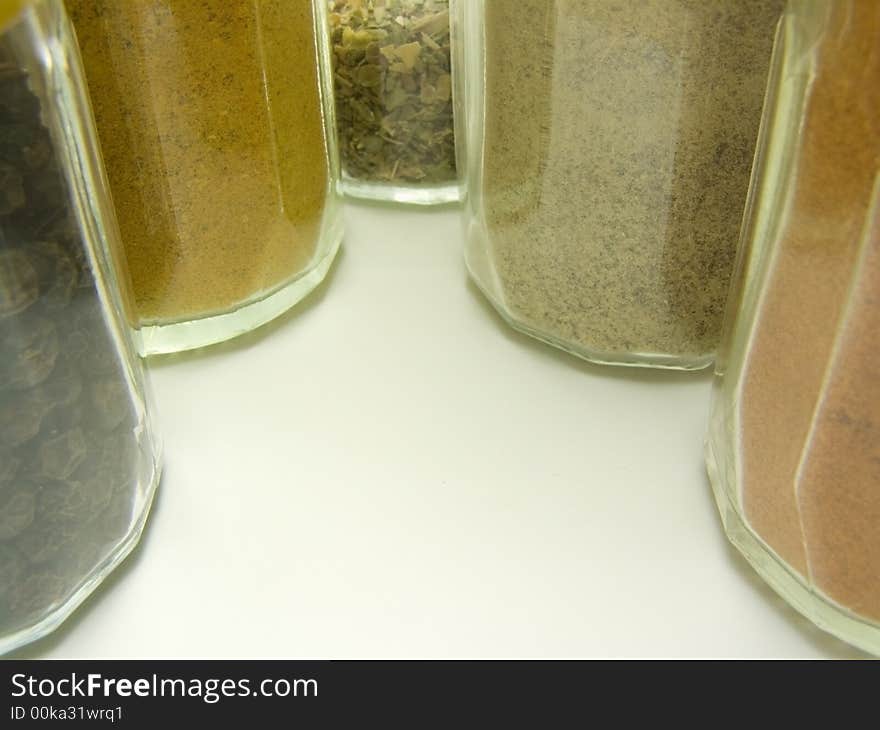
68	449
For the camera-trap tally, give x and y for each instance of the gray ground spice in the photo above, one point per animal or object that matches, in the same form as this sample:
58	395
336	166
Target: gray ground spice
617	150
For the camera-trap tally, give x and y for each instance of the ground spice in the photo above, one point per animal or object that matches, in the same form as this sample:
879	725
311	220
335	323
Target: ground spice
70	457
840	479
810	404
393	90
617	149
210	122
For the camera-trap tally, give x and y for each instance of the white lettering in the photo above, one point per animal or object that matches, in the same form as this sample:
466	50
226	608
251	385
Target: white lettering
16	682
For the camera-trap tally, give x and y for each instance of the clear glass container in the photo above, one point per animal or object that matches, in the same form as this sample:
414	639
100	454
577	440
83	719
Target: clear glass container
793	450
214	121
607	148
393	82
78	462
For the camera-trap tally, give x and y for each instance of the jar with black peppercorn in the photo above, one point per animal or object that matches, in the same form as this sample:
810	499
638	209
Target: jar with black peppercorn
78	461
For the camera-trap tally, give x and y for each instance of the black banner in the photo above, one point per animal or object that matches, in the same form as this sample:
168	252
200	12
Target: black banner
409	693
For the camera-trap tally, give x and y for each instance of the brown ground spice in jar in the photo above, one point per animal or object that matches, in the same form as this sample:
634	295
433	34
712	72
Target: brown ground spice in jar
810	400
210	122
618	144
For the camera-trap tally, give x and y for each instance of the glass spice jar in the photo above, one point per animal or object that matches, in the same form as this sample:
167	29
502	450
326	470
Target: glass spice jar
393	82
78	462
608	148
214	123
793	449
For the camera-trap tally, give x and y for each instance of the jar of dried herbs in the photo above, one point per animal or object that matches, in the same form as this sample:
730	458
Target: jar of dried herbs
78	463
794	442
213	119
393	82
608	149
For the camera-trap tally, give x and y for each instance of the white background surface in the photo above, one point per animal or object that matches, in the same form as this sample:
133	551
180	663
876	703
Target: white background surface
389	471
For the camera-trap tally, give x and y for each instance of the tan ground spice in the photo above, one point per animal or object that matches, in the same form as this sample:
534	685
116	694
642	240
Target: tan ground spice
618	144
810	419
210	122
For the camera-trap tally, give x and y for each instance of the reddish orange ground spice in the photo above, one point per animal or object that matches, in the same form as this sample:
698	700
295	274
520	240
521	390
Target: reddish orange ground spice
840	483
810	402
